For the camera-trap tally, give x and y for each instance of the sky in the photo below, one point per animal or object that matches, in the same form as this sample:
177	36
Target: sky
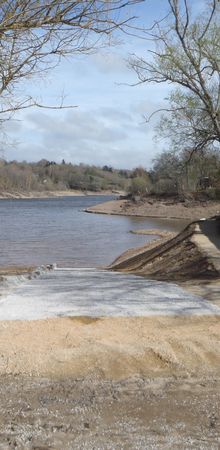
107	126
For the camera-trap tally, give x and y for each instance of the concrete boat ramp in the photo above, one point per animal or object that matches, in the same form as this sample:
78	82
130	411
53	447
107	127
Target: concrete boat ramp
96	293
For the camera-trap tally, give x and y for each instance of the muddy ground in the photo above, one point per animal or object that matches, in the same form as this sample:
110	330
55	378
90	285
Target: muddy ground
161	413
110	383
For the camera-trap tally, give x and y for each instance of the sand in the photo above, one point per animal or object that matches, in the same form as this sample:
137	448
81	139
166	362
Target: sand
166	209
50	194
110	383
111	348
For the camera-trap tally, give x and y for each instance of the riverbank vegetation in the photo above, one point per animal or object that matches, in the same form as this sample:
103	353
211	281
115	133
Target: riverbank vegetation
50	176
181	174
172	174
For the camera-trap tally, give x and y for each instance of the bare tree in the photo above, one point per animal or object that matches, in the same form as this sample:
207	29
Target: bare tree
36	34
186	54
184	172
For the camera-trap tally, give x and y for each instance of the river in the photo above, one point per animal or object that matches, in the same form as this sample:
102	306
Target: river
57	230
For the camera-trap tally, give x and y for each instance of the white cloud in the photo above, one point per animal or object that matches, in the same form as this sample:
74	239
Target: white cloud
99	136
108	126
110	62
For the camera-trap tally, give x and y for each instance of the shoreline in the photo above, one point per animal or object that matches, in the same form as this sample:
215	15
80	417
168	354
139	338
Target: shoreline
132	215
157	209
52	194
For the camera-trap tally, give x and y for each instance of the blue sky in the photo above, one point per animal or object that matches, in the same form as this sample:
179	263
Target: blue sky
107	126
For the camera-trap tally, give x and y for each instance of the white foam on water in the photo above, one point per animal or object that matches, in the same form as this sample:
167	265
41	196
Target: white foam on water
97	293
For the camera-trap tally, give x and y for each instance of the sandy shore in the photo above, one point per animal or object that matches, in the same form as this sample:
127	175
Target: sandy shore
50	194
159	209
111	348
128	383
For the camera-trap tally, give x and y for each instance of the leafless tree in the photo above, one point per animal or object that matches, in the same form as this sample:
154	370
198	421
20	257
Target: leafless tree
36	34
185	52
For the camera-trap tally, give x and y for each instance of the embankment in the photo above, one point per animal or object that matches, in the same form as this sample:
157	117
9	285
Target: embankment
192	254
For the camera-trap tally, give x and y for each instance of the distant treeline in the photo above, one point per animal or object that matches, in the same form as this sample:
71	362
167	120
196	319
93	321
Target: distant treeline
49	175
171	174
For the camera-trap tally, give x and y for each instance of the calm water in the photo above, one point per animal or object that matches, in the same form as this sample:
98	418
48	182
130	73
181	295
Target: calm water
43	231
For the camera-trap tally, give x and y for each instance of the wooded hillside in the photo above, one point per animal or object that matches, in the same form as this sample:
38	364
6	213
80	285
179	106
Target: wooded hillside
48	176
